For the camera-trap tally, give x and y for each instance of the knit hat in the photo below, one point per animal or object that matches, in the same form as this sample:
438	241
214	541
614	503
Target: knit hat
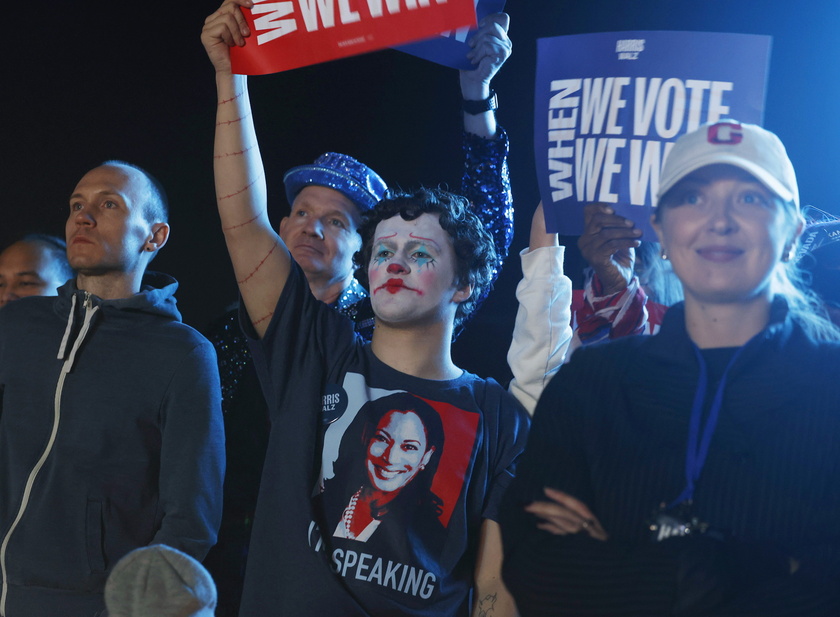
159	581
747	146
355	180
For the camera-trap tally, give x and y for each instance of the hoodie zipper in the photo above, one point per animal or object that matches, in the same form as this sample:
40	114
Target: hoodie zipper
90	310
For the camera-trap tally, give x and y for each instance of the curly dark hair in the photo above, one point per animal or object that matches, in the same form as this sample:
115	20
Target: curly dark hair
474	250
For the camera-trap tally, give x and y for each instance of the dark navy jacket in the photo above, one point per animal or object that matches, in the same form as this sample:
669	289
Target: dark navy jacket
111	438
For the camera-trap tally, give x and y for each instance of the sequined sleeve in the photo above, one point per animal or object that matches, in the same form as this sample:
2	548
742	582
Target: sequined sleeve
486	183
232	353
355	304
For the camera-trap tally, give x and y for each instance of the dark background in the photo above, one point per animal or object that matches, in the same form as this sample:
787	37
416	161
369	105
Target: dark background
89	81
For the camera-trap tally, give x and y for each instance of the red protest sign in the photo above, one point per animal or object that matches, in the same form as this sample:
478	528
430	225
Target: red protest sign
295	33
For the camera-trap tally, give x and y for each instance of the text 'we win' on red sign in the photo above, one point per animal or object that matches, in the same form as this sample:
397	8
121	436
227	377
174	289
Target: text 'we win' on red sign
295	33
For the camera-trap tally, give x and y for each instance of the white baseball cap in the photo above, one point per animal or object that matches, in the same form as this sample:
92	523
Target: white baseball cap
747	146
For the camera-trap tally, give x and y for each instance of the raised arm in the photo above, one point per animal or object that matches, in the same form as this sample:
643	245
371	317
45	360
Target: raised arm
490	48
608	244
261	261
486	179
542	331
614	302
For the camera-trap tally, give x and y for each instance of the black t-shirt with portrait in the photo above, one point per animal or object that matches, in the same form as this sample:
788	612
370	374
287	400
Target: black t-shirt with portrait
458	446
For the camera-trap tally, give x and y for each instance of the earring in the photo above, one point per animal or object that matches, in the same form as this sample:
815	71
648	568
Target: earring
663	255
788	254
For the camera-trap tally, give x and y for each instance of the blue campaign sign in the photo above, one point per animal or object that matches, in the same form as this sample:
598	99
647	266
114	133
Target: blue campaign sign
450	48
608	107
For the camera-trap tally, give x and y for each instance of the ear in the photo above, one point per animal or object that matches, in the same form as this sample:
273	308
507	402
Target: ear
427	457
159	236
800	227
357	241
283	224
463	293
657	228
788	253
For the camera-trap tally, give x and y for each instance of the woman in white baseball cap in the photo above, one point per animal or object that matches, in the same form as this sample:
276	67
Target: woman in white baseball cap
732	245
694	472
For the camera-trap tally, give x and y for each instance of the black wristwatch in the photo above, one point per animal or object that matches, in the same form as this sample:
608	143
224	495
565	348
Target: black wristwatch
491	103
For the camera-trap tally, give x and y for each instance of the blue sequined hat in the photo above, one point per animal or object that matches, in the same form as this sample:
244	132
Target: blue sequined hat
355	180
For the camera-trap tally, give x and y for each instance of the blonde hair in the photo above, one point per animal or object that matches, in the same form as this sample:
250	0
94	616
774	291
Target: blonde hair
789	281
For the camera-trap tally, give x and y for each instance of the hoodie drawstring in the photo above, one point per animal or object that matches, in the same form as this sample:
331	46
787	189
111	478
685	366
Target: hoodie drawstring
68	329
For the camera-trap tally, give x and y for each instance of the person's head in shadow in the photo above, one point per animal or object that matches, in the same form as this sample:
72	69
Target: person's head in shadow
35	265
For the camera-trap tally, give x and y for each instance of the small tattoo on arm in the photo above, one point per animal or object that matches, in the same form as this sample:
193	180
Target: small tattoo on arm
486	605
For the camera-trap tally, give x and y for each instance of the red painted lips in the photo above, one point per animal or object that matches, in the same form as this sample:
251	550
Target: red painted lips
395	285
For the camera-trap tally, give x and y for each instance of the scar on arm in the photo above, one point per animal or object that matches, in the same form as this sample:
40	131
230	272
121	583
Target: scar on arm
259	265
239	153
231	99
234	121
263	318
239	192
